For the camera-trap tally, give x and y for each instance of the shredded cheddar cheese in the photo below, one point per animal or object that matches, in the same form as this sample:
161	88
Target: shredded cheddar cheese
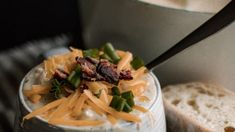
121	115
69	108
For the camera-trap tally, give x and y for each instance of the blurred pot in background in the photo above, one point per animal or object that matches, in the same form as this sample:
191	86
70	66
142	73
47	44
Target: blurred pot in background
148	30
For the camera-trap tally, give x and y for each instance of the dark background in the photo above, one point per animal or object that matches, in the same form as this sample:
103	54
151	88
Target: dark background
25	20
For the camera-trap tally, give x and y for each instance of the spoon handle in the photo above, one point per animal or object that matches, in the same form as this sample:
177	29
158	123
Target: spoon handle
214	24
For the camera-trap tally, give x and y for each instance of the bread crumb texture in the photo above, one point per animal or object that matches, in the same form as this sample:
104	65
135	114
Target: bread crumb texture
210	106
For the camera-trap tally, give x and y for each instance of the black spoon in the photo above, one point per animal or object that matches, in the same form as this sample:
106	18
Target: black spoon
213	25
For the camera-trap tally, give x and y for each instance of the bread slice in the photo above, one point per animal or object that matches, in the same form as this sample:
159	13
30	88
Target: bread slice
199	107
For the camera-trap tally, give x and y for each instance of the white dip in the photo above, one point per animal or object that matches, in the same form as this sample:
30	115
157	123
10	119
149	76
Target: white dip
149	121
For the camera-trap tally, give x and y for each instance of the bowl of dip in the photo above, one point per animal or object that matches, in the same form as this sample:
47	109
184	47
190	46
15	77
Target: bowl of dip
153	119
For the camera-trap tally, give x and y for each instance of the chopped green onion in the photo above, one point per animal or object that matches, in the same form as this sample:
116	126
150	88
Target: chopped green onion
114	101
137	62
71	75
130	102
120	105
129	98
127	108
123	102
75	81
74	77
94	53
78	69
110	51
56	88
105	56
127	95
115	91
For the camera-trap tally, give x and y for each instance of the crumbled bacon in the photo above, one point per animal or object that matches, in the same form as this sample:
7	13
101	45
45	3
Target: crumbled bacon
108	71
125	75
103	70
89	69
89	78
92	60
60	74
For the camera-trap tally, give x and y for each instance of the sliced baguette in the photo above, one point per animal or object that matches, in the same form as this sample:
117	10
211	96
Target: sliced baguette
199	107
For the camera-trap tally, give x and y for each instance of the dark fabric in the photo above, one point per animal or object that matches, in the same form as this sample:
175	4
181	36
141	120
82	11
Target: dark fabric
14	64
